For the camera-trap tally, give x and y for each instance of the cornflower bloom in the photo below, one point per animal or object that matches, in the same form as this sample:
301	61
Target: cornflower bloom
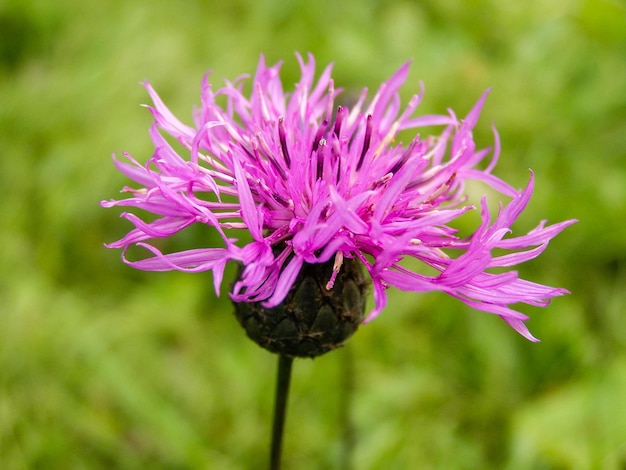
314	183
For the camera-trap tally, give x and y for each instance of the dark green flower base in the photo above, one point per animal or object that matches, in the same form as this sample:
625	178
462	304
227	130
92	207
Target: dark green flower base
311	320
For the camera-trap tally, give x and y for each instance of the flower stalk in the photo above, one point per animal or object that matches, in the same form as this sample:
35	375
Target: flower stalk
283	381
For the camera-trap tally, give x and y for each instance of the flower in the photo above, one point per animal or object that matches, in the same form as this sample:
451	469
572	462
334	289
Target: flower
312	182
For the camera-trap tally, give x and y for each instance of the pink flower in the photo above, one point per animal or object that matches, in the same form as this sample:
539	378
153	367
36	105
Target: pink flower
311	181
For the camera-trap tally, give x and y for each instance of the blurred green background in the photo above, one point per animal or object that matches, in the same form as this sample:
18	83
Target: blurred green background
102	366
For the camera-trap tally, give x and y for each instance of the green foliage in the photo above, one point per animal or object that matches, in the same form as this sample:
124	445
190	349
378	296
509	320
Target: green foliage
102	366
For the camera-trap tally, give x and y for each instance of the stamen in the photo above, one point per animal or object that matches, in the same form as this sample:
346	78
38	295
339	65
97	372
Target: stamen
339	120
319	141
405	156
283	141
366	141
338	171
318	135
320	158
263	149
336	153
325	212
283	202
441	189
382	181
336	267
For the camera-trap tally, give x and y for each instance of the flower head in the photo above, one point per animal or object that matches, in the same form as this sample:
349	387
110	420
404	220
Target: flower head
312	182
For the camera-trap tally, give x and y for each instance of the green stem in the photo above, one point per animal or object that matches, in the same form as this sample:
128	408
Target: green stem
283	378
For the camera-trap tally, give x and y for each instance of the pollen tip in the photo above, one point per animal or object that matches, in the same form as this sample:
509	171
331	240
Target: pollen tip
366	141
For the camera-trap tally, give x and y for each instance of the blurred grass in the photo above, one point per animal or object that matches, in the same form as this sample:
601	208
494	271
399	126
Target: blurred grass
105	367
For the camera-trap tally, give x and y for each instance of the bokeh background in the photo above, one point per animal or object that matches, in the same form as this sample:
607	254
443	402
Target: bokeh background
102	366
